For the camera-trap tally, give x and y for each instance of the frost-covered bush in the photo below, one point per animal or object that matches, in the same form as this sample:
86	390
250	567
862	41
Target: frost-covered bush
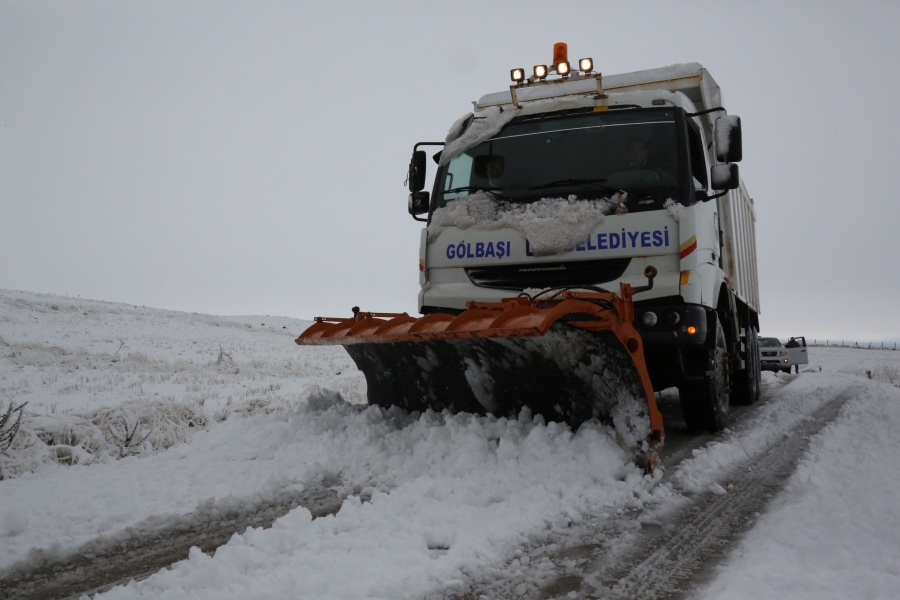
10	422
884	372
102	435
887	373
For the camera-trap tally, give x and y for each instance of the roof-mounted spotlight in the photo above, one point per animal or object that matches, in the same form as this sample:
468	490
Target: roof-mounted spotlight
586	65
540	71
562	68
517	75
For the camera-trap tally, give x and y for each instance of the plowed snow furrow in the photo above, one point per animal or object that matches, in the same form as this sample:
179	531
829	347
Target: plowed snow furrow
104	563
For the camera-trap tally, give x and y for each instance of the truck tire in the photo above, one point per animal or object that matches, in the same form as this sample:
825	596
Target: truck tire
746	384
704	403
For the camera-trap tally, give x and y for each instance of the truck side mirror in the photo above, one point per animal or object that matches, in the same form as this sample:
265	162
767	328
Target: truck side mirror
728	139
418	203
725	177
416	174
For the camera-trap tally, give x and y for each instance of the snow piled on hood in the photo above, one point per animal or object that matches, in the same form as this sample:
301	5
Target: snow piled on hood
484	125
551	225
674	209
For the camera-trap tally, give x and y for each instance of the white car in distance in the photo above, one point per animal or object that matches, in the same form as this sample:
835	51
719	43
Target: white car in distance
775	356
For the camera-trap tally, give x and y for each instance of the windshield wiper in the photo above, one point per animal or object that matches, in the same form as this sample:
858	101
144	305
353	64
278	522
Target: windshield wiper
473	188
595	183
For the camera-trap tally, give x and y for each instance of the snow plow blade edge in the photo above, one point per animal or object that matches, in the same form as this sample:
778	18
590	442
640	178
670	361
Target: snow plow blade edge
572	358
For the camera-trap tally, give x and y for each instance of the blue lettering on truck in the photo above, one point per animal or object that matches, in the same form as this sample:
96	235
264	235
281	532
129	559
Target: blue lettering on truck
601	241
464	249
619	239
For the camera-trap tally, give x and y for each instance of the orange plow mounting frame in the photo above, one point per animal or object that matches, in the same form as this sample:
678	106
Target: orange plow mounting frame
520	317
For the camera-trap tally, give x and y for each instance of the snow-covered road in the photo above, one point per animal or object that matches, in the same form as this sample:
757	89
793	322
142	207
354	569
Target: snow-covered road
435	504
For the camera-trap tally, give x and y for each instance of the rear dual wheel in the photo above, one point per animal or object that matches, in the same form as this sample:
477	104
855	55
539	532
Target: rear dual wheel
746	384
705	402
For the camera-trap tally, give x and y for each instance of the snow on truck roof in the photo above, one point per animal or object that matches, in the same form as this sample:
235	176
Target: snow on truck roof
691	79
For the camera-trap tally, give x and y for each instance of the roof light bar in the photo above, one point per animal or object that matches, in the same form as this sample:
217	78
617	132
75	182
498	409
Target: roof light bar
560	66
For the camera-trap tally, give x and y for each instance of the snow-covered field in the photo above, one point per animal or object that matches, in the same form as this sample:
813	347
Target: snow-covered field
228	411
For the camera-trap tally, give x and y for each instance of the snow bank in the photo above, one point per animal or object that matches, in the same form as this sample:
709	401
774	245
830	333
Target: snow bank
472	129
551	225
446	493
834	531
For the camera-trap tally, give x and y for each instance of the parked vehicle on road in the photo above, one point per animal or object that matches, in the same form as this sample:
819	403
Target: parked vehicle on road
775	356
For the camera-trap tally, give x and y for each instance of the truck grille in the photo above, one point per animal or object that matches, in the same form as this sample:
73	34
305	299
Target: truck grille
770	354
544	275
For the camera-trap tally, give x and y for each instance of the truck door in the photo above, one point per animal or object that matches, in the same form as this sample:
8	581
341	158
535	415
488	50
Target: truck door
797	354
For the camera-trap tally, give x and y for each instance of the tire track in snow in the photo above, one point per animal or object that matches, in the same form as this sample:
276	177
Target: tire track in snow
104	563
675	557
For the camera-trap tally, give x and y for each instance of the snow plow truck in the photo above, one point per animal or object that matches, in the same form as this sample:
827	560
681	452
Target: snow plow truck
588	241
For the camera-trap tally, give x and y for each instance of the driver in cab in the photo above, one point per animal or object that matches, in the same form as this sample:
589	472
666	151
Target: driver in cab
637	153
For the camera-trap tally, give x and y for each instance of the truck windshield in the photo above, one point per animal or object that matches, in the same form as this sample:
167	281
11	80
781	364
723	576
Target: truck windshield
590	155
769	343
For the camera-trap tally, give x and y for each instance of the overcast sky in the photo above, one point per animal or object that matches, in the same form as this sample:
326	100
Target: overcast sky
249	157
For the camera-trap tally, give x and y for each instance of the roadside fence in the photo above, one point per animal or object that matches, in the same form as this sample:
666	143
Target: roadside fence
858	345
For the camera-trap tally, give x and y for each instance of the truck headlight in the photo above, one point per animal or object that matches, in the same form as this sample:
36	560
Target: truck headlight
540	71
562	68
586	65
672	317
649	319
517	75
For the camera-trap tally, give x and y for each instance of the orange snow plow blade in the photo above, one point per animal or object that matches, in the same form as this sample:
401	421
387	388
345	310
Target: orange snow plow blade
571	358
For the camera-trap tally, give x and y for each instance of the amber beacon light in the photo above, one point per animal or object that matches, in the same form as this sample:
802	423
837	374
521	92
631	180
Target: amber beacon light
560	53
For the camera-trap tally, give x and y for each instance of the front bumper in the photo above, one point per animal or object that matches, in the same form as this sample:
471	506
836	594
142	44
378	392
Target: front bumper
677	324
768	363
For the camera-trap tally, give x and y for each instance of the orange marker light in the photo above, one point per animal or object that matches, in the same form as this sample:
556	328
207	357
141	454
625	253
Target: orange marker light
691	329
560	53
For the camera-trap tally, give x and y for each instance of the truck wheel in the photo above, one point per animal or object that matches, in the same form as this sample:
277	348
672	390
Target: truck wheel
746	388
704	403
